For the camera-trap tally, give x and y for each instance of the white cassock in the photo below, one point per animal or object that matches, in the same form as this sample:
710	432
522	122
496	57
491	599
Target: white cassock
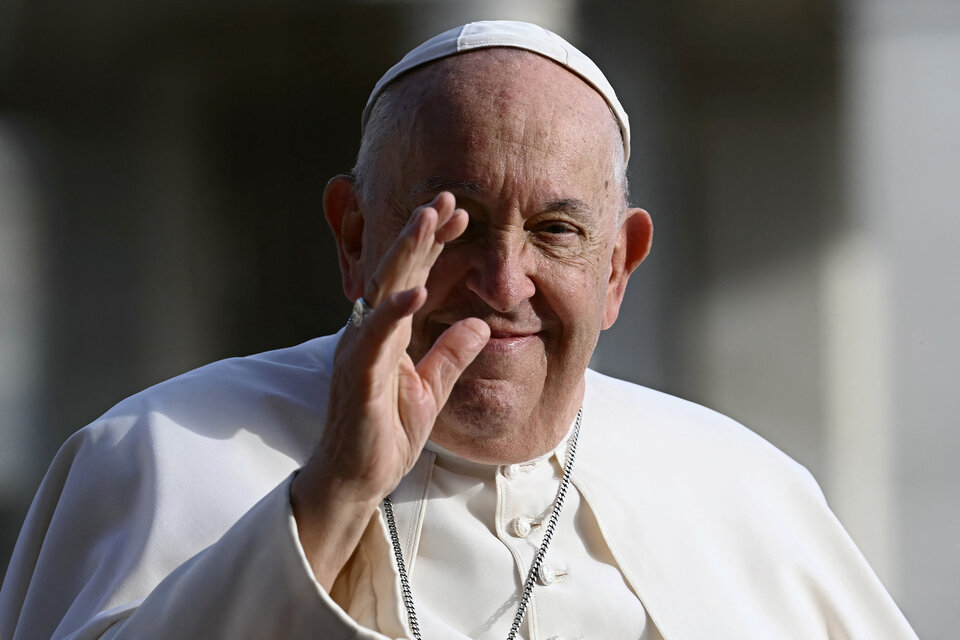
170	518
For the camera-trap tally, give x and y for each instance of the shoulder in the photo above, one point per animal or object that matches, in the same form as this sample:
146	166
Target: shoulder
187	457
291	373
259	395
222	434
711	487
696	448
164	473
719	531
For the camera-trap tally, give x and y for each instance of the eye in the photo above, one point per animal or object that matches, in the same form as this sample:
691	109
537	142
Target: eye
556	228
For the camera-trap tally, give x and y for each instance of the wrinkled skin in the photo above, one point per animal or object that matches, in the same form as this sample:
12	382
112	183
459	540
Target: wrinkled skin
494	247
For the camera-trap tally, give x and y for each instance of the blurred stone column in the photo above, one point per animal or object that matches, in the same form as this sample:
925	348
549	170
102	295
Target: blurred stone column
895	295
22	298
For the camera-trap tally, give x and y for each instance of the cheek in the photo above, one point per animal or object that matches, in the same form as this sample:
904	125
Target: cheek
584	297
577	296
583	278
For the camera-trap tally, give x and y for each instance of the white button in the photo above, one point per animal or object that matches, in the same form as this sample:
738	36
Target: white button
520	527
546	575
551	575
512	470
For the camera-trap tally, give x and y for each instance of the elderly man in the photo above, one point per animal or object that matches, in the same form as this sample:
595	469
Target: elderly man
473	478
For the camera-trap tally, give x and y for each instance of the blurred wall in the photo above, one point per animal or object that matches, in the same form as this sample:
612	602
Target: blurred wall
161	174
901	84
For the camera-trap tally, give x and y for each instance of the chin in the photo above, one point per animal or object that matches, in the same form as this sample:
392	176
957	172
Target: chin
480	417
487	421
482	408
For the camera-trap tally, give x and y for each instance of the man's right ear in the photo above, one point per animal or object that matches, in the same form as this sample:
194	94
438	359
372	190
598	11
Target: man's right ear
342	210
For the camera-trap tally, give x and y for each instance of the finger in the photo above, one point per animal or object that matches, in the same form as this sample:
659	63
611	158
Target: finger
453	227
445	204
451	223
453	352
372	340
408	258
451	230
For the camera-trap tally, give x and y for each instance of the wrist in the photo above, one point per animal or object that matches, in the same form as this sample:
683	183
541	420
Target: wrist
331	517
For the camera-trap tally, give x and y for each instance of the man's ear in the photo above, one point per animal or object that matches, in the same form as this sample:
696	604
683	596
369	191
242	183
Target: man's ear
633	244
342	210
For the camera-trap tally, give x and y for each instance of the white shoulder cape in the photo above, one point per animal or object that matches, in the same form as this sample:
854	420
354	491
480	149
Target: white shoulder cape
169	517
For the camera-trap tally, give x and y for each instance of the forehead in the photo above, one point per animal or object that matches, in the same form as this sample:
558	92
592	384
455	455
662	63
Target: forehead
506	113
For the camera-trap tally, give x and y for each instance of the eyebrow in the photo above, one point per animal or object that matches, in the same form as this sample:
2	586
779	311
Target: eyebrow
572	206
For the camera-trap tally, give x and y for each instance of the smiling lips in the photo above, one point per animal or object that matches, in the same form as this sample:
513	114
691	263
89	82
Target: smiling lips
504	339
510	341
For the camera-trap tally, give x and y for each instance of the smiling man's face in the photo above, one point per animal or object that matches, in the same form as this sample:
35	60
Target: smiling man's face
531	152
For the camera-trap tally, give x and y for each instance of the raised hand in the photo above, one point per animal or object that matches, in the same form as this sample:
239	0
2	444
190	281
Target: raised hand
382	404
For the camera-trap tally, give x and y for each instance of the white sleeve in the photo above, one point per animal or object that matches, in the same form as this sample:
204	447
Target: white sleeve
101	556
253	583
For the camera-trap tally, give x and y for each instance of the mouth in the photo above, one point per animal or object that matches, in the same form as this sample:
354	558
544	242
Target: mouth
505	337
510	341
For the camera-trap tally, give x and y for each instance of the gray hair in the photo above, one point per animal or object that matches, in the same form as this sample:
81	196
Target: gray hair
382	127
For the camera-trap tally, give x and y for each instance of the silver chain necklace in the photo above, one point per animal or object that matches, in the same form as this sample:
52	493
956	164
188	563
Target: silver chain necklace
535	566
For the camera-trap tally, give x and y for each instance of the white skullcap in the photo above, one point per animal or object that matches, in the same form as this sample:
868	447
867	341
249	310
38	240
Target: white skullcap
511	34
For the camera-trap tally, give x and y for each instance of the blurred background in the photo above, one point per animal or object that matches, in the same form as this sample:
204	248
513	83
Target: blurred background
162	166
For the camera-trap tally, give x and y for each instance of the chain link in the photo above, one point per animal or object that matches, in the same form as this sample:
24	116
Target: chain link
528	584
401	568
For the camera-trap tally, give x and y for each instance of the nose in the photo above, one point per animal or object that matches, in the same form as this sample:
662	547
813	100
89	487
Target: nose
500	275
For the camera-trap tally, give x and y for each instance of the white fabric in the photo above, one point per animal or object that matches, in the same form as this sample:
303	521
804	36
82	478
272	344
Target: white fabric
473	505
513	35
169	518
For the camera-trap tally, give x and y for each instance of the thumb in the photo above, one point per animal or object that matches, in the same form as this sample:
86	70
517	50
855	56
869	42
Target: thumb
453	352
